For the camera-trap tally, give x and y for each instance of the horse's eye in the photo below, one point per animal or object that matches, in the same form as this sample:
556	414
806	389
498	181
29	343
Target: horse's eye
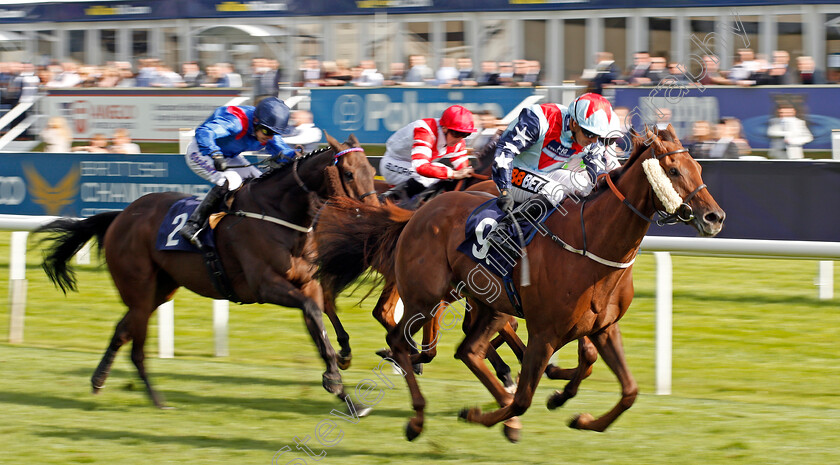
674	172
348	175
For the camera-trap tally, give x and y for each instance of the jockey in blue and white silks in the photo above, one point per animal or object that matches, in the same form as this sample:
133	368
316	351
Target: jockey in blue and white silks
230	130
219	142
554	151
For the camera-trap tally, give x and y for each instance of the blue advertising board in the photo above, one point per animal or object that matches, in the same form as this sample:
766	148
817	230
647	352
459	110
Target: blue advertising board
83	184
373	114
754	106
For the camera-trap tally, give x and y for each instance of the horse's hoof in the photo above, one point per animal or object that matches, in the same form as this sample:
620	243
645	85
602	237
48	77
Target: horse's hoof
411	431
344	361
463	414
418	368
363	412
512	434
581	421
332	383
96	389
555	400
468	414
385	353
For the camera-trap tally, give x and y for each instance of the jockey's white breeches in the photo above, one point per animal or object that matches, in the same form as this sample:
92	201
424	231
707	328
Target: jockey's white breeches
202	165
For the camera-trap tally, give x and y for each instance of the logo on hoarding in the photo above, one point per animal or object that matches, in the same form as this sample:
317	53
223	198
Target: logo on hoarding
79	116
52	198
12	190
348	112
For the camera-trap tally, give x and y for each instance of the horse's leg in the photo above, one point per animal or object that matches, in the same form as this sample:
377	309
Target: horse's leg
502	369
473	350
398	341
537	354
345	355
384	314
119	338
609	345
508	335
587	355
307	299
139	325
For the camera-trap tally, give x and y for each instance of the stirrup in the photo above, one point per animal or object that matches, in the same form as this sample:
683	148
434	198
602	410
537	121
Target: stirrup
193	238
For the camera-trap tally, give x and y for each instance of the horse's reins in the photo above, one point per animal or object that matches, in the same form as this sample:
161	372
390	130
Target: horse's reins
667	218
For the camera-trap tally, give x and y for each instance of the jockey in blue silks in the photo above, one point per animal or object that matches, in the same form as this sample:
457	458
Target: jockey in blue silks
219	142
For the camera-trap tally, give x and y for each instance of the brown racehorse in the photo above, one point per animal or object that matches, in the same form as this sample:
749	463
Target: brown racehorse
349	261
265	260
573	294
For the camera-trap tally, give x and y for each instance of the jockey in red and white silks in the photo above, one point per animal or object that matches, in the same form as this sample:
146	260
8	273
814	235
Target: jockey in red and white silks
417	150
554	150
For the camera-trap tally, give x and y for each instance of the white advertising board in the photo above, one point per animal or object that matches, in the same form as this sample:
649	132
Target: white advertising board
150	115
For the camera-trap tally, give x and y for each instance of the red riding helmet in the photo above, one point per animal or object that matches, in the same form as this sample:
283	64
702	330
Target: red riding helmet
457	118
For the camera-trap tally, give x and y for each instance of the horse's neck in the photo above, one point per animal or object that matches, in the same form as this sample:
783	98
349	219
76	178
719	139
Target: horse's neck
283	197
613	230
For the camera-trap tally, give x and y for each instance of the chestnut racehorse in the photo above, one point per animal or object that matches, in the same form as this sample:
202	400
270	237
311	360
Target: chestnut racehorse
580	274
262	246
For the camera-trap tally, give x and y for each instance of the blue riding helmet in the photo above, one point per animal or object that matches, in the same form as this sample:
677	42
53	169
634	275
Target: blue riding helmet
273	114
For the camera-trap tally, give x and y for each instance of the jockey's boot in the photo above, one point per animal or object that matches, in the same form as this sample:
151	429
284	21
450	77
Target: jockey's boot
195	223
503	240
403	192
532	210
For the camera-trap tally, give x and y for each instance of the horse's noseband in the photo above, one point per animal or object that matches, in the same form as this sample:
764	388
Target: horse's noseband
684	213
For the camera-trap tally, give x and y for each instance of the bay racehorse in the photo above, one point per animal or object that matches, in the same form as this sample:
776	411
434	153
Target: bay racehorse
580	274
262	244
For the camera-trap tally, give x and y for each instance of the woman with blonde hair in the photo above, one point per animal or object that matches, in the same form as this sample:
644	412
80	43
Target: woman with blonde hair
57	135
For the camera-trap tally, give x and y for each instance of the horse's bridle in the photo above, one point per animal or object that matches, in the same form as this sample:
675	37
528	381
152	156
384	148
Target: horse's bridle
336	157
683	214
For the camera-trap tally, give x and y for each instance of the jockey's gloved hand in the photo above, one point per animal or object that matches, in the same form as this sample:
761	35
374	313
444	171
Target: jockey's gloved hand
219	162
505	202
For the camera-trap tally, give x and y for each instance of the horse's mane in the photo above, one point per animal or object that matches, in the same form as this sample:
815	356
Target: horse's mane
284	169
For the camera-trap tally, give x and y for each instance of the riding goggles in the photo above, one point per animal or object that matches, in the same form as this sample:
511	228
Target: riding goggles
265	131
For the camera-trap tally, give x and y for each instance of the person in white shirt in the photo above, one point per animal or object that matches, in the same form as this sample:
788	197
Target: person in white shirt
787	134
305	133
121	143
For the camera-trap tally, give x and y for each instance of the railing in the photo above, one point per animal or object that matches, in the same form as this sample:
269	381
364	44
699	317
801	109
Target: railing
662	247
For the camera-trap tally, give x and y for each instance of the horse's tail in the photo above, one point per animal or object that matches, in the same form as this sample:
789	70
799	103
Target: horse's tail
353	236
67	237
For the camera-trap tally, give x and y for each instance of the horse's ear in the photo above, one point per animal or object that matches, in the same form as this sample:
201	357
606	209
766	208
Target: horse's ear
352	141
673	134
331	140
652	139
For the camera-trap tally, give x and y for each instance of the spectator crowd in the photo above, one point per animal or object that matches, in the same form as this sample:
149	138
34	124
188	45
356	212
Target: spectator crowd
21	82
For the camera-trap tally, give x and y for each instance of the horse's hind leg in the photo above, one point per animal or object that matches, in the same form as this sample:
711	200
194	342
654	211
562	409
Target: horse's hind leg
119	338
587	355
472	351
609	345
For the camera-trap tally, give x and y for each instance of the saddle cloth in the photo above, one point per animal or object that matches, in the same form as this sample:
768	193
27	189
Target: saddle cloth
483	220
168	238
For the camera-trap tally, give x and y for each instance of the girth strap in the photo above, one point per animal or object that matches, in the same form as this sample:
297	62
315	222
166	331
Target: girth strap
218	276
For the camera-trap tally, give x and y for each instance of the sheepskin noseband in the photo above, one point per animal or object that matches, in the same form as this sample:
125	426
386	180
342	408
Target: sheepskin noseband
662	186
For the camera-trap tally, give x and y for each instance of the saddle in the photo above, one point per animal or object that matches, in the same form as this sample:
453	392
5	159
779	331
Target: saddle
168	239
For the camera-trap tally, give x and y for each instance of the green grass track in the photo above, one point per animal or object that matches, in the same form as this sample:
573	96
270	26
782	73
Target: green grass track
756	380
